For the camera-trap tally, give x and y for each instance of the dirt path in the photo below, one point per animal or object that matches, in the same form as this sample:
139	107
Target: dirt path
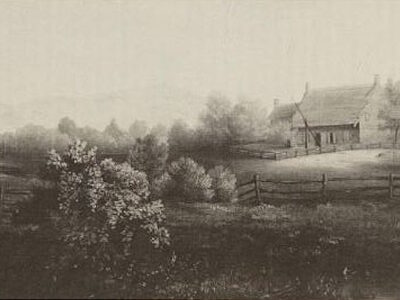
349	163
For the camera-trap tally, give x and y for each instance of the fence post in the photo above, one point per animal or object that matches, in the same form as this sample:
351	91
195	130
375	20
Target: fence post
351	146
270	270
324	184
257	187
391	185
1	200
295	152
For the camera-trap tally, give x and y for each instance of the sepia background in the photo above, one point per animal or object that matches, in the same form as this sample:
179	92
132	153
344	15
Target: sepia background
159	60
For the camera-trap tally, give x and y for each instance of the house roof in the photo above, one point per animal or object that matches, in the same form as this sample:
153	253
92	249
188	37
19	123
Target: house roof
333	106
283	111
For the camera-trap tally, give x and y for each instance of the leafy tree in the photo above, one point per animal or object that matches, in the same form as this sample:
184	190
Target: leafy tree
390	112
114	138
278	134
113	131
159	131
149	155
159	186
138	129
68	126
215	121
92	136
105	215
189	181
248	121
180	138
223	184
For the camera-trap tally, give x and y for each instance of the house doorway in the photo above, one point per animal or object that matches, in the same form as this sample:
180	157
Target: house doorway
318	139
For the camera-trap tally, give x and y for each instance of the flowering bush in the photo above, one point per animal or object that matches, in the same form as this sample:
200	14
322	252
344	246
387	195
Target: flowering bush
223	184
189	181
105	214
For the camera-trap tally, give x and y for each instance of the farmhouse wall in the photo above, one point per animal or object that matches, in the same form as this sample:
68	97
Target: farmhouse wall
341	134
370	124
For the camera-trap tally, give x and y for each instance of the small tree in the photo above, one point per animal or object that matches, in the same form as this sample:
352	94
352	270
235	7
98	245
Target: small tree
138	129
159	131
248	121
223	184
114	134
149	155
68	126
180	138
105	215
215	122
189	181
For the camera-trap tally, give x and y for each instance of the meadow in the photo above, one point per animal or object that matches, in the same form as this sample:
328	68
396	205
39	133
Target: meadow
342	249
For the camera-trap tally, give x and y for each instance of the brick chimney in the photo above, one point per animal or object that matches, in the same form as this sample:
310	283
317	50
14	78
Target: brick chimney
276	102
377	80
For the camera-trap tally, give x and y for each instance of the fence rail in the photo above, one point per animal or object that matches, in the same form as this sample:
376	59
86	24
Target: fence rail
257	189
8	202
296	152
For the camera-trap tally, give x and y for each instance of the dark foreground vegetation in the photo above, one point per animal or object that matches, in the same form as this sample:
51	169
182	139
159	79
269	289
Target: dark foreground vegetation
346	251
73	240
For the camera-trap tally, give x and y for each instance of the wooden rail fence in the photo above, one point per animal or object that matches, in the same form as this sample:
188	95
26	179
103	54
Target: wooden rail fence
296	152
256	189
7	202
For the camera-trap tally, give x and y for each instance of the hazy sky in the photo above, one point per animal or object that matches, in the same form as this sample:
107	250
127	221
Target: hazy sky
158	60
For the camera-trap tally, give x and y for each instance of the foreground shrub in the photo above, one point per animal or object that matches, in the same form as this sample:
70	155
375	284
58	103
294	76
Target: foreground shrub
223	184
105	215
189	181
159	186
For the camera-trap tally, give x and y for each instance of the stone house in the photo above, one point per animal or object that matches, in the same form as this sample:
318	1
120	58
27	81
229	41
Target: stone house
340	115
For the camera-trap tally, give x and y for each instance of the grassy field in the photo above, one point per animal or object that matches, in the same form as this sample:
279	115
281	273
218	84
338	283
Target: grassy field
233	251
338	250
325	252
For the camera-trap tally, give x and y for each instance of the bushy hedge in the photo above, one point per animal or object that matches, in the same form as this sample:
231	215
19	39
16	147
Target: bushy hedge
189	181
223	184
105	213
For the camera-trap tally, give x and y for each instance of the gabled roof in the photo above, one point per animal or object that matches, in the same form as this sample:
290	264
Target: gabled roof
333	106
282	112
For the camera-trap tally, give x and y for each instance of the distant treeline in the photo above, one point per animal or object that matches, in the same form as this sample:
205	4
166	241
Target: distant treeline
220	125
38	140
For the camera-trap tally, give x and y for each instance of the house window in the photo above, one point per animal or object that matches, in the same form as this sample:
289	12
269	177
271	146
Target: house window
346	137
331	138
